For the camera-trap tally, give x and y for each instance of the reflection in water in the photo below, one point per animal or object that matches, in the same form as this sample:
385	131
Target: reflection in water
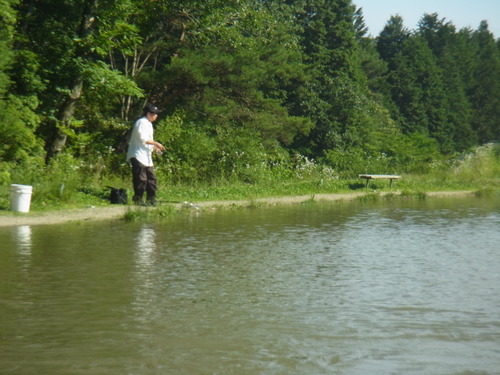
23	237
145	247
145	304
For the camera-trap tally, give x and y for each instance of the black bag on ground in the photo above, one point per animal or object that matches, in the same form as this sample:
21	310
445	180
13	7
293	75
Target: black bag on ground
118	196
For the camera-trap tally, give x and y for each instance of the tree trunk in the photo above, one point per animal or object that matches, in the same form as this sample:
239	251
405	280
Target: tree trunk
64	120
67	109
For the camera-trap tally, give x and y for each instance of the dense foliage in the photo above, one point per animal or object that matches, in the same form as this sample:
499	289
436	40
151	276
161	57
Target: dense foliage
251	89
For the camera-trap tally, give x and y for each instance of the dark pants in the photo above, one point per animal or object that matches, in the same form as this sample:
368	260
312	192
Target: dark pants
144	180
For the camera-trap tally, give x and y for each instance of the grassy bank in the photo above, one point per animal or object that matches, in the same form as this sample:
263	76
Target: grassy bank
66	187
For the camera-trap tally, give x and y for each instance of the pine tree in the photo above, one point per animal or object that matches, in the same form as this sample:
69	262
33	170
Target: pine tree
485	90
417	88
374	68
337	88
450	54
238	75
391	39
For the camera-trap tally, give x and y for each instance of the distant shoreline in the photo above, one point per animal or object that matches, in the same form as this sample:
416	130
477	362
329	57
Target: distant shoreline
118	211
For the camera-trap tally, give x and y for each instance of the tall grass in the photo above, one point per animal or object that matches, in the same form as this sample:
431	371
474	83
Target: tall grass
65	182
480	165
479	169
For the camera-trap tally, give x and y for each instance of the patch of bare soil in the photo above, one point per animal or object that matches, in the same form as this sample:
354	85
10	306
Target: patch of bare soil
118	211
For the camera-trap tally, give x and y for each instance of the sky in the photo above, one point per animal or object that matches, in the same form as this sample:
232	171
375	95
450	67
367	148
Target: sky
461	13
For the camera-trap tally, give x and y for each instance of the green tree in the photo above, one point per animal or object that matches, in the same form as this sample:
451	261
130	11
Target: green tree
391	39
18	120
374	67
336	90
58	38
485	90
7	21
418	90
450	55
235	74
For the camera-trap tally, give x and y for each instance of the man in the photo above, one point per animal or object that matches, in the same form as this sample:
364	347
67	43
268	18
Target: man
140	150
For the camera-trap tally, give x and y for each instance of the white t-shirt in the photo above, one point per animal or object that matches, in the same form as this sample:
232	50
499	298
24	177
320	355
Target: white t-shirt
137	147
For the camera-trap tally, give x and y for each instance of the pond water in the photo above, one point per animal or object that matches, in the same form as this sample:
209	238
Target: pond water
327	288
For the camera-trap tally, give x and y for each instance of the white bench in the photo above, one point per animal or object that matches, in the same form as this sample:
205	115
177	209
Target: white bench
390	177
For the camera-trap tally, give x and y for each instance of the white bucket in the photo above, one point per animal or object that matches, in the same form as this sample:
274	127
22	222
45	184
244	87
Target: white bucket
20	197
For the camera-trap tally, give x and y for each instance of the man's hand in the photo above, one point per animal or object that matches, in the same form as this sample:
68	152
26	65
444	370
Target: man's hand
157	146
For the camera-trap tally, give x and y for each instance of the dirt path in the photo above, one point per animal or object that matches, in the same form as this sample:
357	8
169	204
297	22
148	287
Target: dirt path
63	216
118	211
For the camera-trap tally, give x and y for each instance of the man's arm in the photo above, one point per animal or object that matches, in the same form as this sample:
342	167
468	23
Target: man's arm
157	145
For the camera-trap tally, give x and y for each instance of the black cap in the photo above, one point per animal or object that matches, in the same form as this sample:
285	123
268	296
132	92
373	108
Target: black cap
151	109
